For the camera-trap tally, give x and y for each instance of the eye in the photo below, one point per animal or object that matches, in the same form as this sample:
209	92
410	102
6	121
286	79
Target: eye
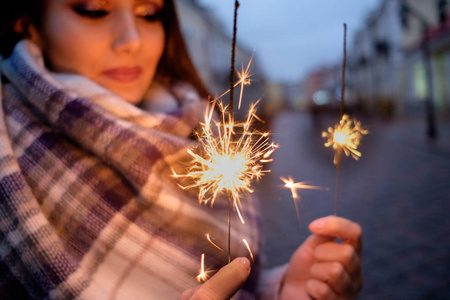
93	12
149	12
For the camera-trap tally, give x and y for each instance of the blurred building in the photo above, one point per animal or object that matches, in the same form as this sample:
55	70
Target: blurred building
322	89
209	46
390	55
275	92
375	58
294	96
319	86
432	48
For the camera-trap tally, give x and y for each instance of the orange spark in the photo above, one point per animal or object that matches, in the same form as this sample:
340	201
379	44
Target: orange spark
293	186
203	275
209	239
249	250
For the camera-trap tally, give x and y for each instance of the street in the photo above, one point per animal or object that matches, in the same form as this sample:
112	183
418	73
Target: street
399	191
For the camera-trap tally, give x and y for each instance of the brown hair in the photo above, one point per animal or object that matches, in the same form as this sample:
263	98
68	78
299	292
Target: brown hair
175	64
29	11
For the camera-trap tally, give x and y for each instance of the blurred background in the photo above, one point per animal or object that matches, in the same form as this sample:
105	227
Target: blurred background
397	84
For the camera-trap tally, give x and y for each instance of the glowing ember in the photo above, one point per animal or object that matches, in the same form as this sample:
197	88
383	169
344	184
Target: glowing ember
293	186
244	79
203	275
340	137
345	135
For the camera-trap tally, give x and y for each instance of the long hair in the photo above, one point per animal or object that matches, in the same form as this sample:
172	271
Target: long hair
175	64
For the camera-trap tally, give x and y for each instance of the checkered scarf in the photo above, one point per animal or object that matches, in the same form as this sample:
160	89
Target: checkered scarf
88	207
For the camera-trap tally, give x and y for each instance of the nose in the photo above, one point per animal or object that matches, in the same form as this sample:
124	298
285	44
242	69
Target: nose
126	34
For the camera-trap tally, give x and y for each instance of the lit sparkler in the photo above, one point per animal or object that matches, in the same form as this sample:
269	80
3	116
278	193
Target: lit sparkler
294	186
345	136
231	154
230	157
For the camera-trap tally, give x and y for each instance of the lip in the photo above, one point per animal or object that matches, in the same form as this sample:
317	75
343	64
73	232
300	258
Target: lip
124	74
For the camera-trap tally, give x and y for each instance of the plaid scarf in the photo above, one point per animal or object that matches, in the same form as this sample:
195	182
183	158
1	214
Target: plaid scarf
89	209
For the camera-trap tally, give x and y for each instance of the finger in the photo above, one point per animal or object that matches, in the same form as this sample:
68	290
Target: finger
188	294
304	256
342	253
350	232
313	241
226	282
335	275
319	290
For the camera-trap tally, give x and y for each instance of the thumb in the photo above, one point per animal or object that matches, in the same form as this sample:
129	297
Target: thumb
225	283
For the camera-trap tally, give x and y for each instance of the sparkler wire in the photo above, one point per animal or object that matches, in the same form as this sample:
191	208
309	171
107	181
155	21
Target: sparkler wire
339	150
233	56
232	70
336	190
343	72
297	210
229	225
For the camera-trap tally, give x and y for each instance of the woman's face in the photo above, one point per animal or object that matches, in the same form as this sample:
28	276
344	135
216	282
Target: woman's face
116	43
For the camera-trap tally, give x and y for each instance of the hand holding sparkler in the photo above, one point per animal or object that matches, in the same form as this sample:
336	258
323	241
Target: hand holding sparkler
322	268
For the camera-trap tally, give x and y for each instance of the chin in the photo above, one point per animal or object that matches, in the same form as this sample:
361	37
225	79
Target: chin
133	98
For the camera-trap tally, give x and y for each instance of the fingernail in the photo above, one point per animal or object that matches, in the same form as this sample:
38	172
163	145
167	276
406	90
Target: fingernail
245	262
317	224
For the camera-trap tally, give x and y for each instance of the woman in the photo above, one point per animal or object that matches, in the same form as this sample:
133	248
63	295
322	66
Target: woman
99	99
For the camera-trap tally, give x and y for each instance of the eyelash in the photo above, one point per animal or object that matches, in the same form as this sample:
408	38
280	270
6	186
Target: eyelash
92	14
101	13
152	17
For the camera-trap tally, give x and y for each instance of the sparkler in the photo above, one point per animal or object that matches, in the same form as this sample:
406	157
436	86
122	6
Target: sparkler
231	154
293	186
229	159
346	135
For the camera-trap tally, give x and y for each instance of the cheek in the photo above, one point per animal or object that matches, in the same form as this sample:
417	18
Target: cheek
154	41
69	49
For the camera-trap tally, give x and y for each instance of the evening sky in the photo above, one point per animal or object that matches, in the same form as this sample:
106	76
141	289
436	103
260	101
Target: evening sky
292	37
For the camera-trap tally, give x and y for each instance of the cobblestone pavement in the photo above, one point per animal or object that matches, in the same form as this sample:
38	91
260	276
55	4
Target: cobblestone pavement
399	192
